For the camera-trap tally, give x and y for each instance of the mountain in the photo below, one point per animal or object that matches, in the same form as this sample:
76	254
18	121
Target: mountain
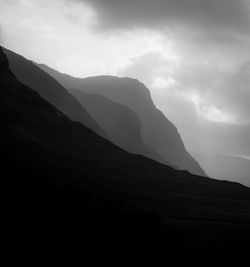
120	123
226	167
157	131
28	73
47	87
70	189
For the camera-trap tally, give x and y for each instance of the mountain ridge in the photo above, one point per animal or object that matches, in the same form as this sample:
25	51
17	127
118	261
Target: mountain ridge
28	73
157	131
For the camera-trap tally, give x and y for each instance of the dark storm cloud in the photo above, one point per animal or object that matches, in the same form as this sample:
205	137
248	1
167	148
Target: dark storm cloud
209	14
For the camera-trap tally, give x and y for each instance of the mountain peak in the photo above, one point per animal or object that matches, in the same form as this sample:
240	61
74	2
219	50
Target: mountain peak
129	89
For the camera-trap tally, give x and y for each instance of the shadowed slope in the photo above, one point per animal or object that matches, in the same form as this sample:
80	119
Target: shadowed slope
31	75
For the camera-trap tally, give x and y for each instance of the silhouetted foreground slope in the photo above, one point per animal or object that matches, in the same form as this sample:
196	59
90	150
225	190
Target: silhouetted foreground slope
158	132
48	88
70	188
120	123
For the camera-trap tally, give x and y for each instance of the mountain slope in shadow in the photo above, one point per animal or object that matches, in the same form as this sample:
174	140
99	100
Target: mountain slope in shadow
226	167
47	87
157	131
70	188
120	123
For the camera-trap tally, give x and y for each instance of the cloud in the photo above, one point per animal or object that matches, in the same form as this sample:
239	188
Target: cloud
206	97
209	61
220	91
213	14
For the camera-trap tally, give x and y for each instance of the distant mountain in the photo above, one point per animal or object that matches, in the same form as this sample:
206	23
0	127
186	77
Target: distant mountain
226	167
120	123
70	189
157	131
47	87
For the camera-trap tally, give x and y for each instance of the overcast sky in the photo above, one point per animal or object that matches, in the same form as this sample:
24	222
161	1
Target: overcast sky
194	55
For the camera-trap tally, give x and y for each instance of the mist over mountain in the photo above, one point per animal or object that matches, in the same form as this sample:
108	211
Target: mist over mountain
28	73
225	167
157	131
120	123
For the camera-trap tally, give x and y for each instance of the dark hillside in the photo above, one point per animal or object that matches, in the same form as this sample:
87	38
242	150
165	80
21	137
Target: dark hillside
70	189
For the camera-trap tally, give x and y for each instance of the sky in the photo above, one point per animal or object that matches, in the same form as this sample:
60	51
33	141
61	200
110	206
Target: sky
193	55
